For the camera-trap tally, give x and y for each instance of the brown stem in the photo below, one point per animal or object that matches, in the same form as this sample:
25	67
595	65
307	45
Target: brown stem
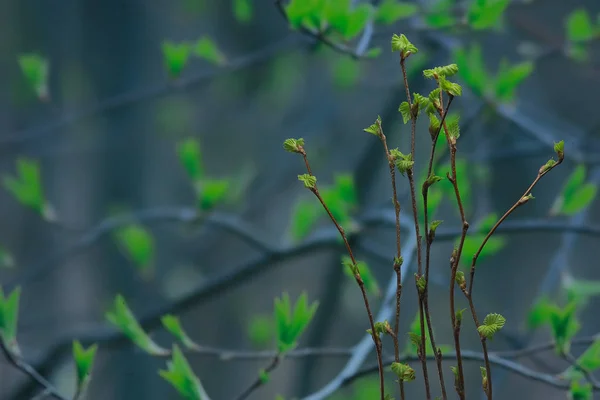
469	294
413	197
357	277
429	237
397	264
456	257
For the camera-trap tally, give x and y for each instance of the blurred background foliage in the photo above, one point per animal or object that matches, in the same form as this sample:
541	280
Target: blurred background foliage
140	138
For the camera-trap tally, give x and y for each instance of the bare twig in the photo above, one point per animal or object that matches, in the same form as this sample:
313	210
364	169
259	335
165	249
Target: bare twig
16	360
260	380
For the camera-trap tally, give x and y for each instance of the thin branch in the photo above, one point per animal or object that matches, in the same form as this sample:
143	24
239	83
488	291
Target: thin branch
48	389
469	294
260	380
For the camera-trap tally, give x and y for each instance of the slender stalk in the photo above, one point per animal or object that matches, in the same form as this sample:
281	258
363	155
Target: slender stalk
260	381
398	258
460	386
357	277
429	237
469	293
413	126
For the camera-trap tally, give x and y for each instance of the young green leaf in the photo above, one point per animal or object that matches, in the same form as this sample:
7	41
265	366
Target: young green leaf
206	49
175	56
579	26
291	321
391	11
403	45
84	361
138	245
589	361
293	145
310	13
404	109
581	200
345	188
369	280
485	14
310	181
9	315
509	78
491	324
27	188
35	69
374	127
403	371
181	376
190	157
124	320
242	9
211	191
173	325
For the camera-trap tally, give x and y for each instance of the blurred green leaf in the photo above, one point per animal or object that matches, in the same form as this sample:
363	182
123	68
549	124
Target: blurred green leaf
261	330
84	361
35	69
579	26
356	20
575	195
6	259
291	321
138	245
509	78
346	189
175	56
306	12
439	15
472	243
9	315
391	11
369	280
26	187
485	14
206	49
173	325
471	68
211	192
589	361
123	319
181	376
346	72
580	391
539	314
242	10
190	157
304	217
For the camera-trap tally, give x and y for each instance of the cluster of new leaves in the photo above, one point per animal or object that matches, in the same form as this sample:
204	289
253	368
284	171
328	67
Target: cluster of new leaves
177	55
209	191
581	29
500	88
291	320
564	324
